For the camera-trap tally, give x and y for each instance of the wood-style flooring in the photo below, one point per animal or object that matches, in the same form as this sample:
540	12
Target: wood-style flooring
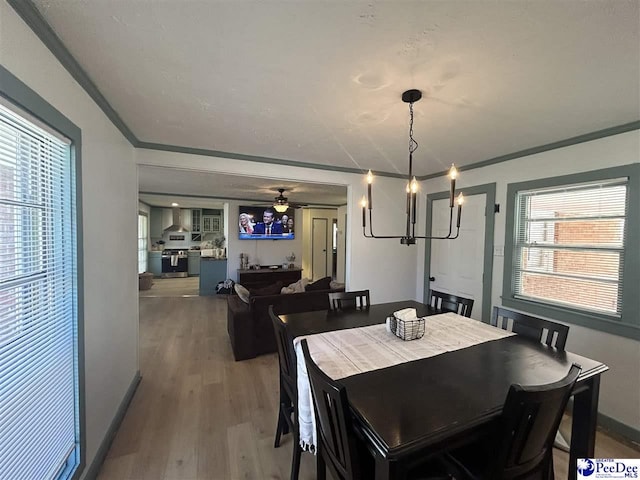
199	415
173	287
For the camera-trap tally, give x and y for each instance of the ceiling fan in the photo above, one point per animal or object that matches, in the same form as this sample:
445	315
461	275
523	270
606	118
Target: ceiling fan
281	203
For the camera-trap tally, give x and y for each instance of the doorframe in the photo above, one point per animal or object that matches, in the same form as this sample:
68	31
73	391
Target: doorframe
489	189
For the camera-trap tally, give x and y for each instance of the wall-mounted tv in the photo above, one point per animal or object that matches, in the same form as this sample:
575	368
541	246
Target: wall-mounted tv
264	223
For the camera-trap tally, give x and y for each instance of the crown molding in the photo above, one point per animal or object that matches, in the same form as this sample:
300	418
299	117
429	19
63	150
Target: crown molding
587	137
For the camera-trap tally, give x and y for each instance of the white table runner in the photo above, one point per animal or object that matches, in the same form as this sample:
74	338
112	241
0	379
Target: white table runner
342	353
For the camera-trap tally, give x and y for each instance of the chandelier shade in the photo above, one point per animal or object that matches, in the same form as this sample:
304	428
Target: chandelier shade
409	237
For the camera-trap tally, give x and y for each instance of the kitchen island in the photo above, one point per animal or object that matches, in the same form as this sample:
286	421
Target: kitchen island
212	271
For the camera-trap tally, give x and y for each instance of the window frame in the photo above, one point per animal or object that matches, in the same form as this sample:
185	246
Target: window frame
628	324
26	99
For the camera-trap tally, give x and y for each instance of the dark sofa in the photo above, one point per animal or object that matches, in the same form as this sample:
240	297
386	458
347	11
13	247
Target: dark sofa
249	326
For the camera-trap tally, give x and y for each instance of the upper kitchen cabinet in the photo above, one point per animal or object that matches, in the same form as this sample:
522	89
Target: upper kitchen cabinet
156	223
196	216
212	221
196	225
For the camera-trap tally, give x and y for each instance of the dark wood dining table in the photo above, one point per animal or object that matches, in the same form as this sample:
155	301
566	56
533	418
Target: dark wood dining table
409	411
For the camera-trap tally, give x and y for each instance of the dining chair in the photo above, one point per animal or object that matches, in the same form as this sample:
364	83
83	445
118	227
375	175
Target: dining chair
349	300
521	443
544	331
547	332
447	302
339	448
288	404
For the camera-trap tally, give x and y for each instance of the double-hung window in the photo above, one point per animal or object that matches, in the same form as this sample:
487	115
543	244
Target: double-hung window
143	242
39	376
568	247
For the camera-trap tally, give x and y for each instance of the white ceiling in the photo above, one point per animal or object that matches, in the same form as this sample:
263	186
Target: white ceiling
320	81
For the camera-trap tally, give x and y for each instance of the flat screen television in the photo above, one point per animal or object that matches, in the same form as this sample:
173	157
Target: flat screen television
264	223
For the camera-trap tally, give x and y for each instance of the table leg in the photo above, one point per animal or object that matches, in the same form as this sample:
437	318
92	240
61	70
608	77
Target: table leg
583	425
384	468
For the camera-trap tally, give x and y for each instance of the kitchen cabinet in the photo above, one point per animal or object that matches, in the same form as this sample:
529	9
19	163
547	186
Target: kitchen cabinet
194	263
196	225
155	263
196	215
211	224
212	271
155	223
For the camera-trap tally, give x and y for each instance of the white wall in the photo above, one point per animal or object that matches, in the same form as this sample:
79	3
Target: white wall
620	388
110	206
383	266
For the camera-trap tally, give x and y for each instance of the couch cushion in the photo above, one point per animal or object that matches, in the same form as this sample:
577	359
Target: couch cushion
322	284
268	290
242	292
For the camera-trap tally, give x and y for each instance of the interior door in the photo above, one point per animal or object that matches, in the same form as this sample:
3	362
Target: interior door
457	265
319	248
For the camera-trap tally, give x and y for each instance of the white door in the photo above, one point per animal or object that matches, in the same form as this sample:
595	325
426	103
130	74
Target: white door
457	265
319	248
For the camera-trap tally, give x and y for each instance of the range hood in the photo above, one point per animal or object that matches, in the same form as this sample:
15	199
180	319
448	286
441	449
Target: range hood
176	226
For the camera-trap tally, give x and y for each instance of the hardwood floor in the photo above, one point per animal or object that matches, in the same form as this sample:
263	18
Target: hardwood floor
173	287
198	414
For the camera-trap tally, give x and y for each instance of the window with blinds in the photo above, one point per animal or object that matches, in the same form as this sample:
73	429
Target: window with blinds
39	421
570	244
143	242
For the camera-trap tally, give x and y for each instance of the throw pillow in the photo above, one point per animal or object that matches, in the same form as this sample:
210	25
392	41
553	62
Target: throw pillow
297	287
336	285
322	284
268	290
242	292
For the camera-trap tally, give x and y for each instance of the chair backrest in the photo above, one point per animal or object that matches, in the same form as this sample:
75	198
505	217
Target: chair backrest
286	355
333	417
451	303
527	429
349	300
545	331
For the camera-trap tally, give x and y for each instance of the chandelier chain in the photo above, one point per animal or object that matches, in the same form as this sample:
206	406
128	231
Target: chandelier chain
413	145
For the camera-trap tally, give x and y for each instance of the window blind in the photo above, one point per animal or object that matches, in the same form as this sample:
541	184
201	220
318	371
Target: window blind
570	245
39	429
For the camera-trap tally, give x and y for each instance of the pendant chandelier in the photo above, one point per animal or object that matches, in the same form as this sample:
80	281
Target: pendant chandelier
409	238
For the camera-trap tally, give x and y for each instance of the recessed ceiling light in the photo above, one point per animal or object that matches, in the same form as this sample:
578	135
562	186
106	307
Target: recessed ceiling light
174	204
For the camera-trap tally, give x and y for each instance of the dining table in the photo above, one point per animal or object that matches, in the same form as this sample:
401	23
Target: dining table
417	408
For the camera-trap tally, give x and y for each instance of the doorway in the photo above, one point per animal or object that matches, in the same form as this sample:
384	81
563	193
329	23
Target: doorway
463	266
334	248
319	248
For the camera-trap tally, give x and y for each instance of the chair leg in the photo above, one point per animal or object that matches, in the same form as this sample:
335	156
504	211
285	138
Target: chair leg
280	427
295	462
321	467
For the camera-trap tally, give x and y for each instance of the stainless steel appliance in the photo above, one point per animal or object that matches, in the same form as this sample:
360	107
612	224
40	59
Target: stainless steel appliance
174	263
